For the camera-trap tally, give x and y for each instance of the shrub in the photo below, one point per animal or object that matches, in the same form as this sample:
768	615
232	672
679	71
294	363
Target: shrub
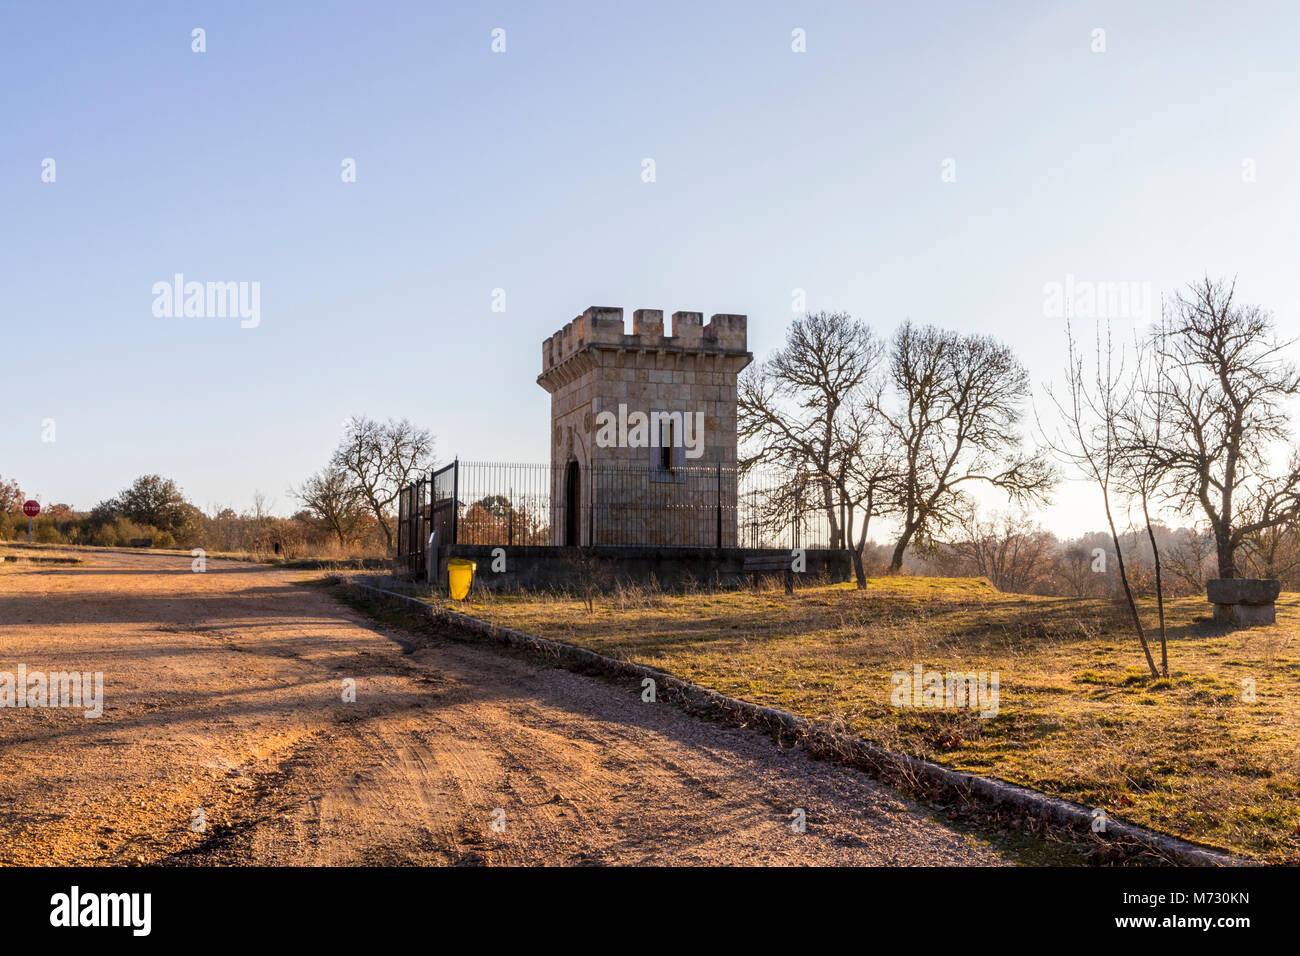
46	532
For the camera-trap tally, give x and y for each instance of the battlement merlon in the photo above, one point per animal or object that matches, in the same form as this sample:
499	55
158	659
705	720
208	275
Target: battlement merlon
602	327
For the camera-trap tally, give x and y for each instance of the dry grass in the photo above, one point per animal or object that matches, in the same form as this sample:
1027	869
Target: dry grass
14	556
1078	716
12	552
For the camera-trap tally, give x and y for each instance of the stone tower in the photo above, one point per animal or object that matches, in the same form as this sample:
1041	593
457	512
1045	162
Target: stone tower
643	428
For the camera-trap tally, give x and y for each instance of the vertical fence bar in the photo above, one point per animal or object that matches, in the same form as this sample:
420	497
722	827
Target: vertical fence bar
628	504
719	507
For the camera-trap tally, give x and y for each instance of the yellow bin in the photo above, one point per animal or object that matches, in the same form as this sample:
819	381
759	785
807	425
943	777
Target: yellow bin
460	575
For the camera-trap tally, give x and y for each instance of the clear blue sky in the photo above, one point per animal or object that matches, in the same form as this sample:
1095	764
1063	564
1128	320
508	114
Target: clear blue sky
775	170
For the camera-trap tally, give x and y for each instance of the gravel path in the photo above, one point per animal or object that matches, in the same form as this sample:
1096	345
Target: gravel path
223	694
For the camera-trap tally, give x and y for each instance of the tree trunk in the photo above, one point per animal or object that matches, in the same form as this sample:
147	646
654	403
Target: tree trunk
1128	590
854	547
828	505
1160	592
859	572
1227	555
900	549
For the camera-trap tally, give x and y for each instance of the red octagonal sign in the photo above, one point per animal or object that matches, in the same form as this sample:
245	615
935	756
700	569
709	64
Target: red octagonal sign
31	508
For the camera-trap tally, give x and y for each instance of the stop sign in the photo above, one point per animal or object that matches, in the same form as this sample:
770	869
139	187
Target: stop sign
31	508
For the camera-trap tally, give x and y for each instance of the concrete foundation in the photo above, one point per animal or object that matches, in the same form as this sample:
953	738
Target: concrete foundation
563	568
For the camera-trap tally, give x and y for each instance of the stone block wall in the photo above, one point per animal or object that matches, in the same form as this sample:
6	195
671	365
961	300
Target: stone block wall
592	366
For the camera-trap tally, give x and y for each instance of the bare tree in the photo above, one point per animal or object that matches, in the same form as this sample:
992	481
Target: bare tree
1272	552
332	497
1074	566
865	470
1190	558
1092	445
957	423
379	459
1224	390
1141	426
807	409
1011	551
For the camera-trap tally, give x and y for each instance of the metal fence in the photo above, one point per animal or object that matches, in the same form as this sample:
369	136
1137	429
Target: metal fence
412	525
443	512
515	504
426	507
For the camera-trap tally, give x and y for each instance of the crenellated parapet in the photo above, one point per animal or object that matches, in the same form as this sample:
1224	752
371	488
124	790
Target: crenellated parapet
602	328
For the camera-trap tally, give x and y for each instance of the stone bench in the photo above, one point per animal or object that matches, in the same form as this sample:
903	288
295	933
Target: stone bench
1243	602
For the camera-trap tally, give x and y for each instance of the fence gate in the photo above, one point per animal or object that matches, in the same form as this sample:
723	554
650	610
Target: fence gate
413	525
425	506
443	509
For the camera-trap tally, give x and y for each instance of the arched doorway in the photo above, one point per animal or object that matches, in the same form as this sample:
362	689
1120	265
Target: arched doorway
572	505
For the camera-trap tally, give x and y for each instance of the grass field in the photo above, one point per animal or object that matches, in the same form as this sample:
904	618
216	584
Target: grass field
1078	716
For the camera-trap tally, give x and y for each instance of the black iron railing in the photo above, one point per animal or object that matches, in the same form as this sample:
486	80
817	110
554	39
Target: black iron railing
412	525
520	505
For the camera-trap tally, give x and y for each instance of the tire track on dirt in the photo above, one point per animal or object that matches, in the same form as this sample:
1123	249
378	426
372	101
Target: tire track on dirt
249	664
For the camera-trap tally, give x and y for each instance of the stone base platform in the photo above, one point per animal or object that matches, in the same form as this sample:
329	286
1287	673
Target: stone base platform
1244	602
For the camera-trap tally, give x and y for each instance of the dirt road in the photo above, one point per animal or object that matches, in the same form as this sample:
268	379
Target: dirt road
225	739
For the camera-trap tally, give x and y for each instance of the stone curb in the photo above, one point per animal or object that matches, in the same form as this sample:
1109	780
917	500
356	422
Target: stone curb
819	742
